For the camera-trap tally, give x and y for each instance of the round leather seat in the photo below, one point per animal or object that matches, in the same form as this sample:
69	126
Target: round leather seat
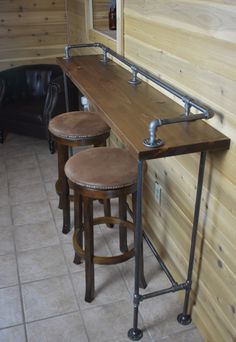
102	168
78	125
75	129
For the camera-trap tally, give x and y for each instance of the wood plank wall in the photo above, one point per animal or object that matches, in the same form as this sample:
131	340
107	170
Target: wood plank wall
100	14
76	21
192	45
31	31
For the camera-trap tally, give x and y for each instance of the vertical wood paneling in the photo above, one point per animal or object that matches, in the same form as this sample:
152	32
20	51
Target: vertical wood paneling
192	45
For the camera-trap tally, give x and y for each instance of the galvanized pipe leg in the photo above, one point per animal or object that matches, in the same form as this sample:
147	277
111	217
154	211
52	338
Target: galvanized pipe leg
142	281
122	227
184	318
66	92
134	333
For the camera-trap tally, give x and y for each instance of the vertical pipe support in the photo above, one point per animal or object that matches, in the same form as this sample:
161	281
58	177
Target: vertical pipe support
184	318
67	52
187	105
104	56
134	80
134	333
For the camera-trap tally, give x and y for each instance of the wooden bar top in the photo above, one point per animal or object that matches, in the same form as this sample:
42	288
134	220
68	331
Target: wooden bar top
129	109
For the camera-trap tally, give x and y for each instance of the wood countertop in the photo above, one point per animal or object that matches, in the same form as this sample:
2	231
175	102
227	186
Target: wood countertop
129	109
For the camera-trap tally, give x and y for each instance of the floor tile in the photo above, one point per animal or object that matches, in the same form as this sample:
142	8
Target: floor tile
41	147
69	254
154	276
33	236
2	163
16	163
100	248
112	239
48	298
13	334
109	286
41	263
10	307
6	240
18	150
27	193
4	198
111	322
3	179
66	328
187	336
160	316
31	213
50	190
5	216
24	177
8	270
48	167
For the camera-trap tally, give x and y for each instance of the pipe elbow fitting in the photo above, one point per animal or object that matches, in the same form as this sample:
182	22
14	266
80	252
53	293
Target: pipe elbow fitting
152	130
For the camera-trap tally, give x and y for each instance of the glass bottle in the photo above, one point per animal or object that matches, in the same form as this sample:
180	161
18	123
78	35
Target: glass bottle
112	18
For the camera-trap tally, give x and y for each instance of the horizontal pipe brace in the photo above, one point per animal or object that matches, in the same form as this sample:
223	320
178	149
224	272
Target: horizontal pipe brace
171	289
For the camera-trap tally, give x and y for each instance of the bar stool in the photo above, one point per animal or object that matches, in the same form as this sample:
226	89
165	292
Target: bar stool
101	174
70	130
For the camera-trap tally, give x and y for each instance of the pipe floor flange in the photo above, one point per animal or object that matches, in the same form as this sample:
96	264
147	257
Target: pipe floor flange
135	334
184	319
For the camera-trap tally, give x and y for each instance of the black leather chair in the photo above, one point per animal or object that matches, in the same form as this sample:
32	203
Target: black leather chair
30	96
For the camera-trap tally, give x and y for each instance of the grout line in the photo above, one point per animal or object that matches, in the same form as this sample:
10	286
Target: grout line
51	317
17	268
65	259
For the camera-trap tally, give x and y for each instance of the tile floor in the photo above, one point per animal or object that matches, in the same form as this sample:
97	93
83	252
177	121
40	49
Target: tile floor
41	290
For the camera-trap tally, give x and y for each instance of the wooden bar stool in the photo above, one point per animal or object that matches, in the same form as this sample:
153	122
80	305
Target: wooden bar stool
101	174
70	130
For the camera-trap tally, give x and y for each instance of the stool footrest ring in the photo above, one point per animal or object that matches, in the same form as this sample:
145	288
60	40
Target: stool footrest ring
106	260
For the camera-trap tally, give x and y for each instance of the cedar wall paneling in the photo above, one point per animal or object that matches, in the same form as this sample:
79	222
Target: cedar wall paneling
77	27
77	24
31	31
100	14
192	45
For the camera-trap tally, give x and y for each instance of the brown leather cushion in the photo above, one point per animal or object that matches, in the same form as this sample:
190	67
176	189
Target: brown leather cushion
77	125
102	168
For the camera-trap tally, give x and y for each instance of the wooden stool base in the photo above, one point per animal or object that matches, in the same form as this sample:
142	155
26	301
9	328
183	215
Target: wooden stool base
105	260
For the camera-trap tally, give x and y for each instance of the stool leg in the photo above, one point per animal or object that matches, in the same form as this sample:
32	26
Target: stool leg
142	281
78	224
106	202
122	227
64	202
107	211
89	249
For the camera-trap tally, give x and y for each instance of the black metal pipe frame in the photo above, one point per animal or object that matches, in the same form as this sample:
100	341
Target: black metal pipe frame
135	333
66	92
183	318
152	141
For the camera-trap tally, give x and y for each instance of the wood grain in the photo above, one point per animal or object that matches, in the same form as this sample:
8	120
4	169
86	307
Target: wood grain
138	106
